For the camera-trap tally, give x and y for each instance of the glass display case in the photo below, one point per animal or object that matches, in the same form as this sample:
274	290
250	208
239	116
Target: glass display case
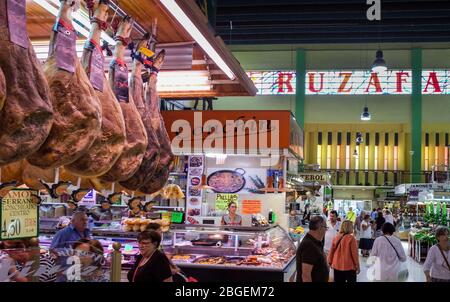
227	253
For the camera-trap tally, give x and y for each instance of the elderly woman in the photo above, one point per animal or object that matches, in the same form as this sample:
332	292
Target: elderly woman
151	265
437	267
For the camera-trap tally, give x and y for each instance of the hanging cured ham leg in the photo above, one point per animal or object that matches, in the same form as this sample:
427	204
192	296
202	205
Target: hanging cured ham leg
107	148
136	136
155	182
2	89
77	110
26	113
151	156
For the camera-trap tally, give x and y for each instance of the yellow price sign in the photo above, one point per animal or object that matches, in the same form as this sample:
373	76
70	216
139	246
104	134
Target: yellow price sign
19	215
222	200
146	52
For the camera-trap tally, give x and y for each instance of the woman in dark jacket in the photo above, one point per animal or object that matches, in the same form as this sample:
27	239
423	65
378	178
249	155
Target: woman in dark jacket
151	265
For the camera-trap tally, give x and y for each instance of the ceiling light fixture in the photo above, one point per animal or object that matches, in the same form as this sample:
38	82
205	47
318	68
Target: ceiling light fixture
176	11
379	65
365	115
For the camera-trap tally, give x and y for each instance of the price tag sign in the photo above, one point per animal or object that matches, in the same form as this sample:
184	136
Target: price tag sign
251	207
146	52
222	200
177	217
19	215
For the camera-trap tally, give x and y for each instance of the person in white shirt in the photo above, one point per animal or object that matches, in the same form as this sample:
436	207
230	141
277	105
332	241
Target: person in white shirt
437	264
333	229
387	253
366	241
388	217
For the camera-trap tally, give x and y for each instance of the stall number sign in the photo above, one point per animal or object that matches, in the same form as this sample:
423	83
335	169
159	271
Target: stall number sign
222	200
19	215
251	206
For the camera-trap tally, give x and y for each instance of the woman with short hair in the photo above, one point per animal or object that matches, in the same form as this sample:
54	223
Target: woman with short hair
151	265
343	256
437	264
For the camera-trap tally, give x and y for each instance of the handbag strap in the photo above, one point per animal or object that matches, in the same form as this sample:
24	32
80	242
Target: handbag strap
392	247
337	245
443	256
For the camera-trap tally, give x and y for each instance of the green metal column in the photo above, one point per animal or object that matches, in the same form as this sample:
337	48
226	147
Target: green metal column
300	87
416	117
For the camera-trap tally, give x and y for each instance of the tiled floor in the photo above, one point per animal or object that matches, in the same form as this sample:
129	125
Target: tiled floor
415	269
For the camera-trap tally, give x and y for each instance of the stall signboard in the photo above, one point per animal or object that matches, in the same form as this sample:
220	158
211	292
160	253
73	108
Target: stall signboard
19	215
315	178
194	194
263	132
222	200
251	207
350	82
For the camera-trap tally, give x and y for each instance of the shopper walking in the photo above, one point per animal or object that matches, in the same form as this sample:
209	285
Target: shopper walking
343	257
379	223
311	260
151	265
366	241
373	215
351	215
388	217
333	229
388	254
437	264
77	230
357	225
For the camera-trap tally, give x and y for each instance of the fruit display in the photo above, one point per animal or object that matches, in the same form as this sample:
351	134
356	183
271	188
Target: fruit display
425	235
297	230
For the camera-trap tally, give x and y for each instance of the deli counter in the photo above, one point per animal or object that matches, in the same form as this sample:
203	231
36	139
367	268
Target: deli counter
212	253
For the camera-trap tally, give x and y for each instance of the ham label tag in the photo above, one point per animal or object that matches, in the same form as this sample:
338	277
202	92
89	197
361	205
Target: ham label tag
96	75
17	22
65	50
121	82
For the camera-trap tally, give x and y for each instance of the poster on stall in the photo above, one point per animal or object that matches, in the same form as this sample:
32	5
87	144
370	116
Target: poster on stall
222	201
237	180
19	215
194	194
251	207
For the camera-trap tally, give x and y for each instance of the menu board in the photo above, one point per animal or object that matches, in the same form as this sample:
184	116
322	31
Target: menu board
19	215
194	195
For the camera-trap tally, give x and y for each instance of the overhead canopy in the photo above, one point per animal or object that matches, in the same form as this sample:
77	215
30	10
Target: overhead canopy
172	32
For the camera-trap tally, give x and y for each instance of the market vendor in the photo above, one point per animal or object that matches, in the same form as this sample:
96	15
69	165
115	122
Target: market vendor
231	218
77	230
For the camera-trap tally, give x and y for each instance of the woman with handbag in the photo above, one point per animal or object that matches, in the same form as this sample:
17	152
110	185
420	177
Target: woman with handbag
437	264
389	256
343	256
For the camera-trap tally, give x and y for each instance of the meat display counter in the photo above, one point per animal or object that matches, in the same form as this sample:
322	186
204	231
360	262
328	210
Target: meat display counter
232	253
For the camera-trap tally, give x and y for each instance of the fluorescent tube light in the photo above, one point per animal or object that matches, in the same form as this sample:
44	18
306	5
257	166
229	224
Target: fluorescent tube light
184	20
78	16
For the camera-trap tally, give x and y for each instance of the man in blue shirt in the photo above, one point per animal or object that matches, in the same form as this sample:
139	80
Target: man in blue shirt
77	229
373	215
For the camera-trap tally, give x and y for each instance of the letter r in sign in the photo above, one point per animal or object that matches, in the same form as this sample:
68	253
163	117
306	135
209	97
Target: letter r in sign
285	78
